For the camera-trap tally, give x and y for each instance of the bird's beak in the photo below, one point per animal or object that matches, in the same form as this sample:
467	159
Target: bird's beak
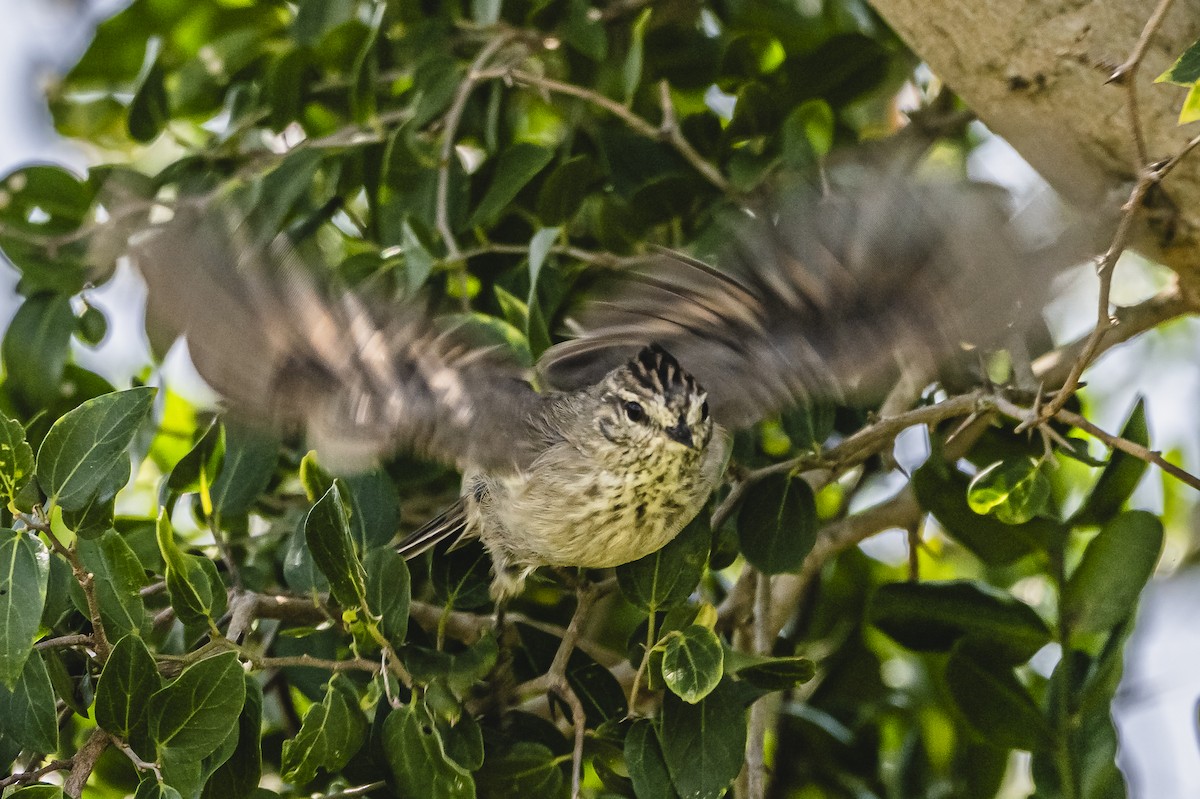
681	433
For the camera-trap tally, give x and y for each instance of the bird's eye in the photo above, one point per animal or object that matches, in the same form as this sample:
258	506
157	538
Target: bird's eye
704	411
635	411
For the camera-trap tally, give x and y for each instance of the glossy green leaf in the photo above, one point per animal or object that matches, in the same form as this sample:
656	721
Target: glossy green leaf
418	759
704	744
24	572
239	775
96	515
118	577
37	792
197	593
327	531
669	576
332	732
994	703
250	460
388	592
517	166
1103	590
198	469
151	788
193	715
1186	69
644	760
1014	491
376	504
525	768
693	662
934	616
35	349
777	674
83	445
16	459
27	711
777	524
1120	476
123	693
942	490
461	578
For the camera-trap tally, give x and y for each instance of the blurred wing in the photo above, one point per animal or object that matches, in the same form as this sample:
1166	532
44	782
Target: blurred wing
823	296
361	382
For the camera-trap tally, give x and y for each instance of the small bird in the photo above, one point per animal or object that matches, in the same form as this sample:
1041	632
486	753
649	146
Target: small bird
815	296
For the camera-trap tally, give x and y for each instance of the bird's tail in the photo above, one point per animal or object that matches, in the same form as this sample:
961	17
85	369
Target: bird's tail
449	525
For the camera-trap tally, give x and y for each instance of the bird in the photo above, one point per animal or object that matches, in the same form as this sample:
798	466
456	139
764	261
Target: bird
815	295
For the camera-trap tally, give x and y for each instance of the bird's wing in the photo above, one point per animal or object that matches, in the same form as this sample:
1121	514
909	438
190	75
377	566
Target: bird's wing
822	296
361	381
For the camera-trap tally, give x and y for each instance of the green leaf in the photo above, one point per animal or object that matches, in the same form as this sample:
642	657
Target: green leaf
565	188
38	792
461	578
693	662
631	70
118	577
777	524
807	133
934	616
809	424
1186	69
668	577
644	760
332	732
704	744
197	593
151	788
942	490
194	714
1014	491
1120	476
1103	590
418	758
83	445
327	531
516	167
994	703
96	515
388	592
16	459
24	572
149	110
238	776
198	469
35	349
376	504
777	674
27	711
250	460
123	693
1190	110
524	769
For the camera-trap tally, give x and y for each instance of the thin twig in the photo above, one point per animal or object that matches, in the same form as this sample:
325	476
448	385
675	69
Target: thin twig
65	641
37	773
756	783
856	448
450	130
1031	417
668	133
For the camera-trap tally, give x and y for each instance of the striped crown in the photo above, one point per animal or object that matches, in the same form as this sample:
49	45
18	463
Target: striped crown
658	371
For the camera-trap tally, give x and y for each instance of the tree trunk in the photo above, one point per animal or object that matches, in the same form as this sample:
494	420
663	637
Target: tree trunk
1035	72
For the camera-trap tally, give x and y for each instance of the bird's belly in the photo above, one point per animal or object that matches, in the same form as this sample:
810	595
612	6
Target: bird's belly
604	519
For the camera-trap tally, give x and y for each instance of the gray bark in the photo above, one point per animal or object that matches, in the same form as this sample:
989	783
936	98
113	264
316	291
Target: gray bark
1035	72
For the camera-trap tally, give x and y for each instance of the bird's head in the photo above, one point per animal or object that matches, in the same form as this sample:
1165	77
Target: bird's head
652	401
